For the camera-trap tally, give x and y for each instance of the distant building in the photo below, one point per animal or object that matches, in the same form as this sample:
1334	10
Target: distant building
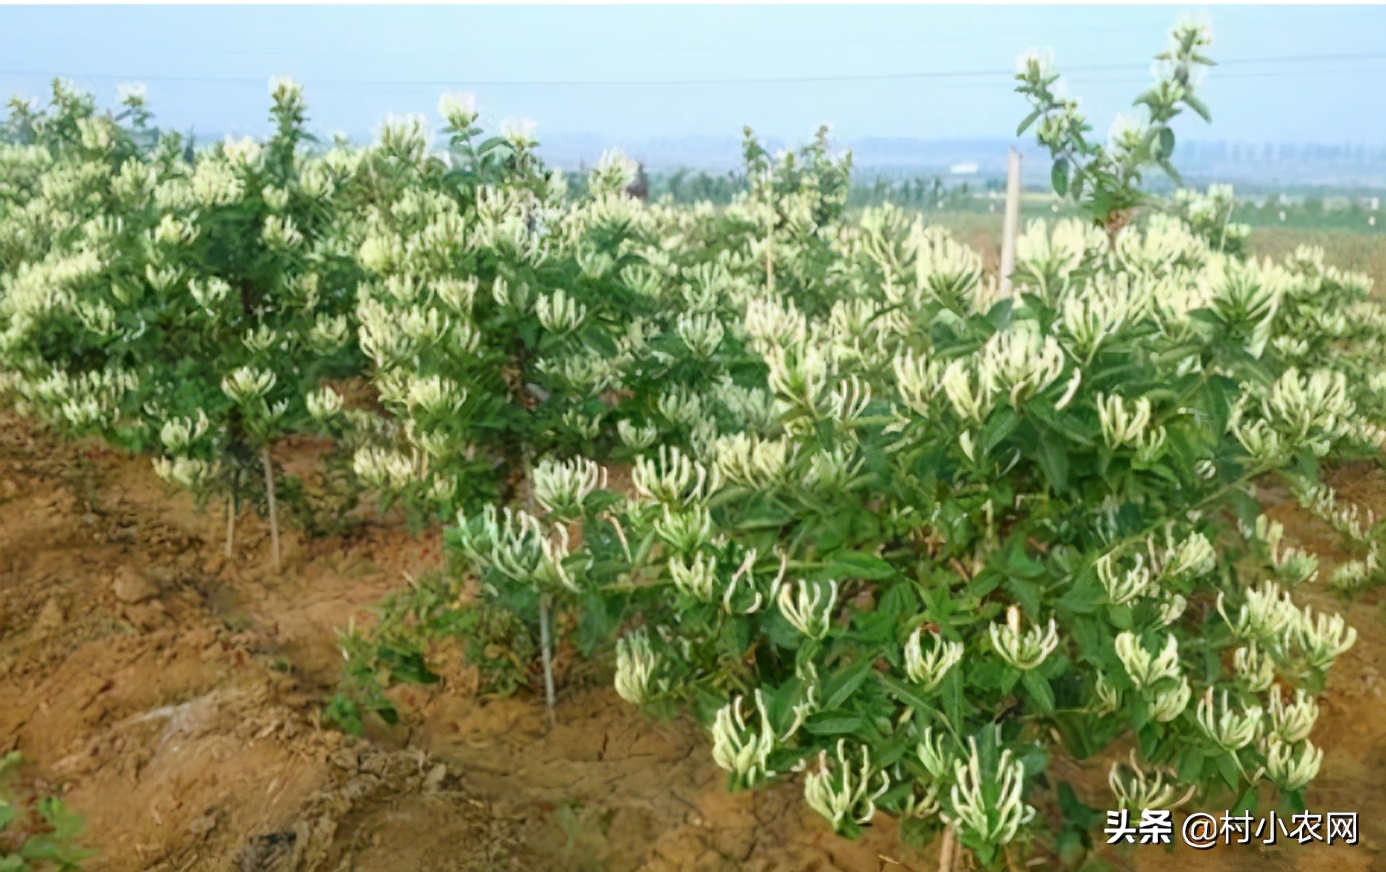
963	169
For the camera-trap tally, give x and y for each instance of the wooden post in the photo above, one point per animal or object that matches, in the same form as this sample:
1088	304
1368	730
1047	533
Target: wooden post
1011	228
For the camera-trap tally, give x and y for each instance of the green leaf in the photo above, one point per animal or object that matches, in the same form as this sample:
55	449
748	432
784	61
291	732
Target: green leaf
1198	106
1039	689
1029	119
859	564
1166	143
1228	767
1053	462
832	725
1059	176
845	683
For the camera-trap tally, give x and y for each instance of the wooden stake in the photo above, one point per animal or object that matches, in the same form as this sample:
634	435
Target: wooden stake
1011	228
273	511
546	649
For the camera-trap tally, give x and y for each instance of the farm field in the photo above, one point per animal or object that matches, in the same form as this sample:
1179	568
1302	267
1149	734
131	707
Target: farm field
421	505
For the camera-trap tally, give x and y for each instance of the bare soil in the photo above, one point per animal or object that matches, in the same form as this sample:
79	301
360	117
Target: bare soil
172	698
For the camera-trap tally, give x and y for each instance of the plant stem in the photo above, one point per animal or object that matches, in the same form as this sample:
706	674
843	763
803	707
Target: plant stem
273	511
231	507
946	851
230	525
546	649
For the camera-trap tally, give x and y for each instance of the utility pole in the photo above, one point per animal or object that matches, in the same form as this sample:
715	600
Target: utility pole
1011	227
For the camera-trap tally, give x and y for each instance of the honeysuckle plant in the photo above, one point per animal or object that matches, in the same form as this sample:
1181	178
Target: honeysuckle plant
984	531
197	309
1104	178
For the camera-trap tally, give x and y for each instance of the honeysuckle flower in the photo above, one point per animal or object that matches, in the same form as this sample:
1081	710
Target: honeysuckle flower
406	136
520	132
1070	390
686	529
970	389
1021	362
259	339
751	460
1292	721
800	377
635	667
459	110
1108	697
639	438
744	575
1191	557
1292	766
697	579
324	403
928	669
1168	703
845	792
988	806
434	395
1294	565
741	750
917	380
1135	789
1024	650
1123	425
177	434
383	468
559	313
808	607
189	472
934	755
1172	607
702	333
248	383
832	472
329	333
681	406
1224	726
848	401
1265	614
1254	669
1354	573
280	233
1323	638
1123	586
673	478
561	486
1300	405
519	546
243	153
1146	670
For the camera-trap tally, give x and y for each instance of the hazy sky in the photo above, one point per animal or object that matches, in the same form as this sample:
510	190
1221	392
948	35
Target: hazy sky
653	71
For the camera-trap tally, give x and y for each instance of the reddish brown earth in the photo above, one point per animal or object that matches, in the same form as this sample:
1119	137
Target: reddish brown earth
172	698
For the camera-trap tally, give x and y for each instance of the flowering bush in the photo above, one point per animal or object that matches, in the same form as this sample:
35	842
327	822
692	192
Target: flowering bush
193	308
1056	491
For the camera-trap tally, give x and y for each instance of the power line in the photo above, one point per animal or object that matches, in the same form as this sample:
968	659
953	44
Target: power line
777	80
